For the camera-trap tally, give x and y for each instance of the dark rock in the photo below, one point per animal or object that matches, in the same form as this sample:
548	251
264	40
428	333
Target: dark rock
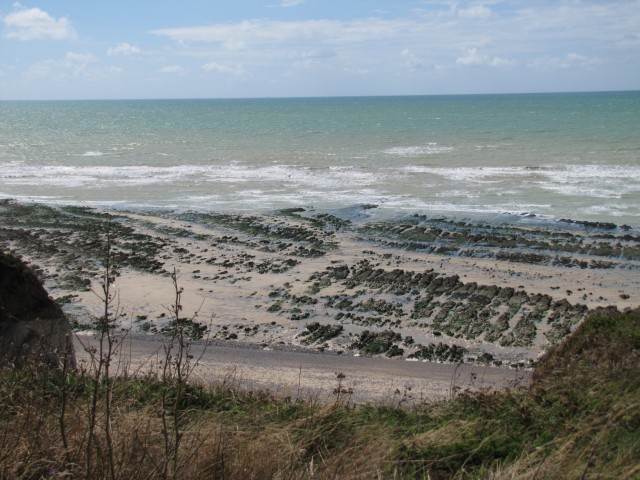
442	285
341	272
32	325
375	343
505	294
464	290
600	225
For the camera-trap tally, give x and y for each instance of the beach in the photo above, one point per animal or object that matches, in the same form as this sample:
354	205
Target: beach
417	231
275	294
305	375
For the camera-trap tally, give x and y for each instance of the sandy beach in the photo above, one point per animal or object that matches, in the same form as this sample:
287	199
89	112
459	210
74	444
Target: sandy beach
288	300
312	376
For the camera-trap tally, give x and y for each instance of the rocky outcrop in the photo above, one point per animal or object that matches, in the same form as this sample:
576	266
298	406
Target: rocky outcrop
32	325
432	302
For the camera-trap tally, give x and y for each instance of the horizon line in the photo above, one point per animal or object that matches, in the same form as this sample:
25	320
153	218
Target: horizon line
315	96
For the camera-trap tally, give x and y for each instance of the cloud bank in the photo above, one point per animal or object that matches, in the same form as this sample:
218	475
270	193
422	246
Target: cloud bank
35	24
304	48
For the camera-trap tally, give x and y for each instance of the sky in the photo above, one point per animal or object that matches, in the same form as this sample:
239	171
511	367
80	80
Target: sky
117	49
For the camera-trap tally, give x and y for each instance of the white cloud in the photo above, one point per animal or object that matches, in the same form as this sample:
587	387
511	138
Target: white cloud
175	69
355	71
571	60
473	58
124	49
318	54
73	64
306	64
289	3
223	69
411	60
582	60
255	32
313	58
629	40
441	29
501	62
40	69
77	62
437	41
36	24
475	11
79	58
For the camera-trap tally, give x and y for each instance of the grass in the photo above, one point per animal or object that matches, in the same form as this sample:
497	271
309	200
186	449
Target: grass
579	419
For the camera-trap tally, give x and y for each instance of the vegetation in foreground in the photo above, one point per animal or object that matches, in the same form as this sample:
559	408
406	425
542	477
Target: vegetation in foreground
580	418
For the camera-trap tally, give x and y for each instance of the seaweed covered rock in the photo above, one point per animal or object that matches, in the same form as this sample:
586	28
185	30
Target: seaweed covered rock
32	325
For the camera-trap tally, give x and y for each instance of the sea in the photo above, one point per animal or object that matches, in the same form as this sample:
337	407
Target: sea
550	156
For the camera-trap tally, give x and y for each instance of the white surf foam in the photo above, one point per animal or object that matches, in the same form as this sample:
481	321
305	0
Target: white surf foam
75	176
93	153
412	151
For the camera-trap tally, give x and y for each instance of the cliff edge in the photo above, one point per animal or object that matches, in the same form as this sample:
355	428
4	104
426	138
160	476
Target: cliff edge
32	325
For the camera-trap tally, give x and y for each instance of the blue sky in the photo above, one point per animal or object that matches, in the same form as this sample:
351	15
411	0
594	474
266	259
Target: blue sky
70	49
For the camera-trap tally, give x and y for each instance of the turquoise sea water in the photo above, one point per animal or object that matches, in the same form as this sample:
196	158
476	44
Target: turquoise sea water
553	155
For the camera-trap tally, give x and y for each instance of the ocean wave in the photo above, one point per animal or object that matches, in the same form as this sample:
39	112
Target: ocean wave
576	172
486	147
92	153
295	175
554	173
467	174
457	194
562	190
599	181
74	176
429	149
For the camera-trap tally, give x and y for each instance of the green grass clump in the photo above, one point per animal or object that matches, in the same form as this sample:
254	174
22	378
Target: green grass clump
579	418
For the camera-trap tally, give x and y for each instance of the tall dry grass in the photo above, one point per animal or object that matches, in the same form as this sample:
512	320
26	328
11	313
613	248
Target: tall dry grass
578	420
225	434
